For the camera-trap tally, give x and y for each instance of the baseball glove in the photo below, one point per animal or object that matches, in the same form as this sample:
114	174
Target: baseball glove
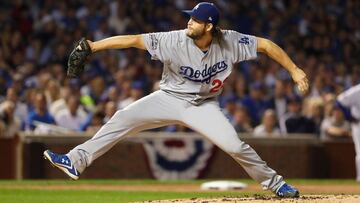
77	58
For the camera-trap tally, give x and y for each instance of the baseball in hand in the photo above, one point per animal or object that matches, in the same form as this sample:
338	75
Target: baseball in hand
301	80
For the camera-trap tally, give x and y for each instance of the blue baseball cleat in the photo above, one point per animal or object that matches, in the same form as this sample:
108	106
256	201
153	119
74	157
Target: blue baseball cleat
63	163
287	191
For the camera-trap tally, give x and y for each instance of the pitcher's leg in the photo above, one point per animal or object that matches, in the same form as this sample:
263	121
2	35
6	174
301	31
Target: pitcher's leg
208	120
152	111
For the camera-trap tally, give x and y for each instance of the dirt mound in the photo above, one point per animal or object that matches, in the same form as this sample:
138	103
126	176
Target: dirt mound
268	198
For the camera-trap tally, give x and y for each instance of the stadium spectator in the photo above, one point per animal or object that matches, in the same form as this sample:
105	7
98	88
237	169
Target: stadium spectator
39	113
93	91
229	106
240	86
335	126
94	123
21	110
322	37
52	91
112	94
136	93
268	127
125	90
73	116
10	125
60	103
256	102
279	98
314	110
118	20
242	120
329	100
293	121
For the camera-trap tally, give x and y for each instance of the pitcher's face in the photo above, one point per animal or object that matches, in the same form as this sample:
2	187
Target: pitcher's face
195	28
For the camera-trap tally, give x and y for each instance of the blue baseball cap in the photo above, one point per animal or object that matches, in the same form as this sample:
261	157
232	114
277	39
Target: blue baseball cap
206	12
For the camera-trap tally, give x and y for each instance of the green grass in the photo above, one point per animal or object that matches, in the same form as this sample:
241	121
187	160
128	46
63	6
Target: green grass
100	181
93	196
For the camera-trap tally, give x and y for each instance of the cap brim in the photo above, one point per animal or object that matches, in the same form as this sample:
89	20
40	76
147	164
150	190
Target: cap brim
188	12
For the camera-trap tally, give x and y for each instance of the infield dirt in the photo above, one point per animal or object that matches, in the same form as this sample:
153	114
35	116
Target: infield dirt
268	198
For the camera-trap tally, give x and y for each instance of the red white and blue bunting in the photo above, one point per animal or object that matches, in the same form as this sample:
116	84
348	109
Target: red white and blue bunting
176	158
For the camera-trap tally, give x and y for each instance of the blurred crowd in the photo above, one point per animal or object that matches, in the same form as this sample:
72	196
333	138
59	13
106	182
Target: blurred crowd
322	37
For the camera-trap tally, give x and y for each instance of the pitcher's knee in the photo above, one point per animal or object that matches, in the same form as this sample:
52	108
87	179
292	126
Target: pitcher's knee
123	116
236	148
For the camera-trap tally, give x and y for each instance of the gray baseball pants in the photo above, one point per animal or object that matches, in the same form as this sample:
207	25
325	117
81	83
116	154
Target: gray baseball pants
160	109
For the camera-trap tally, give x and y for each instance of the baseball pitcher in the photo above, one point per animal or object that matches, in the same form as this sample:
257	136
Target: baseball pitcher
197	60
350	103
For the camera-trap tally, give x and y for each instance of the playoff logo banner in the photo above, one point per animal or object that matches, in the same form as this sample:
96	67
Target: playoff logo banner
176	158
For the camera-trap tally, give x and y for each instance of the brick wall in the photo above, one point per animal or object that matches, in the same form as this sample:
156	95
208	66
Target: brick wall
293	158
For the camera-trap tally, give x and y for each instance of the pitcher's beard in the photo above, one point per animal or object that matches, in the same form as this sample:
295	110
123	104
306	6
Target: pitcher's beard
196	35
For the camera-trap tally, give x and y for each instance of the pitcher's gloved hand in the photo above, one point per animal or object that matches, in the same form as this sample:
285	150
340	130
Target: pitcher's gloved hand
77	58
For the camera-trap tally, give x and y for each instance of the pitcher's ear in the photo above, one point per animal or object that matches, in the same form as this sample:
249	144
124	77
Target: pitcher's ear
209	27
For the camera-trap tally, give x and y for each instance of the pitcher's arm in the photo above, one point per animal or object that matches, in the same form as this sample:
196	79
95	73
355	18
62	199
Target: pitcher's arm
118	42
278	54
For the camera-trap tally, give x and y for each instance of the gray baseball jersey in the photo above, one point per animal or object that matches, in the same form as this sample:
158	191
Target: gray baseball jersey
190	73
